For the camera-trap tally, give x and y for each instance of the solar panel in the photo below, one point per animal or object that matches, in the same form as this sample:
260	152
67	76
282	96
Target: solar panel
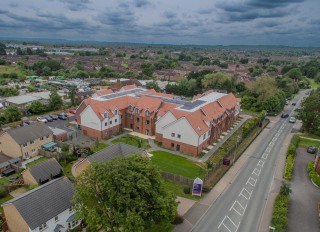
192	105
120	94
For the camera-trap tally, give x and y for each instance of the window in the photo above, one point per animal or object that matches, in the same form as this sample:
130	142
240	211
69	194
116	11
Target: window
105	115
43	227
148	122
116	120
130	108
31	142
25	144
33	150
173	134
147	113
137	111
178	136
137	129
115	112
48	136
131	116
172	145
110	122
70	210
56	218
26	154
41	138
204	136
73	224
106	124
138	119
209	132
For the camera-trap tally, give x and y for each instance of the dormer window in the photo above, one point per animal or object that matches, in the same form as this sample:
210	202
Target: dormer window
115	111
147	113
130	108
137	111
105	115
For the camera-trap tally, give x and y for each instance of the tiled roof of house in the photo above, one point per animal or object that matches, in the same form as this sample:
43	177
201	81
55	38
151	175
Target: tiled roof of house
115	150
152	92
44	170
228	101
145	103
44	202
165	107
127	87
196	120
29	133
104	92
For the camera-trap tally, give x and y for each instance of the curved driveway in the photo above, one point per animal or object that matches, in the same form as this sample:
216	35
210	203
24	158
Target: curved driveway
303	212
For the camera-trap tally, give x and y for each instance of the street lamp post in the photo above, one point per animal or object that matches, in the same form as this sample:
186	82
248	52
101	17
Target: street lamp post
235	151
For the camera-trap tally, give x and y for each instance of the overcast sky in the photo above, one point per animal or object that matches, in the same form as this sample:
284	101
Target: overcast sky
212	22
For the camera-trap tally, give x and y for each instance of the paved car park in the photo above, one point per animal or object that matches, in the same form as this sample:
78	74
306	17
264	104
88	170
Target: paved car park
303	206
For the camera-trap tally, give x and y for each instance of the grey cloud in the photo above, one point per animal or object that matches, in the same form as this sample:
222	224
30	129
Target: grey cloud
271	4
206	11
76	5
169	14
267	24
141	3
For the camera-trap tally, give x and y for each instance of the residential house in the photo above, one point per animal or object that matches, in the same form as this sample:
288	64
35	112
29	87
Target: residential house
45	208
113	151
42	172
186	126
59	135
14	163
102	92
121	83
25	141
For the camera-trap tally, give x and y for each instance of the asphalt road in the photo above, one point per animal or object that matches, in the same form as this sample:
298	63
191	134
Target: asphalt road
241	206
304	199
61	123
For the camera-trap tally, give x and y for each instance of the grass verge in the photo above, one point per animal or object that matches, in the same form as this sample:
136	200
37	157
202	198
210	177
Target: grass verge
134	141
290	157
168	162
98	147
40	160
313	175
177	190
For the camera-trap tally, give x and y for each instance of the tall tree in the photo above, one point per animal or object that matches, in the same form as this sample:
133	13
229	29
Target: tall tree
124	194
55	101
309	112
72	97
12	114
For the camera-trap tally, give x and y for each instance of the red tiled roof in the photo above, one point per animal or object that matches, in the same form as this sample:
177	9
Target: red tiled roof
165	107
127	87
228	101
155	93
104	92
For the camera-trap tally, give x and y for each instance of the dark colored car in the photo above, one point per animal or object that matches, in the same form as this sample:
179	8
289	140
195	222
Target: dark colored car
49	119
293	103
53	116
311	149
284	115
62	116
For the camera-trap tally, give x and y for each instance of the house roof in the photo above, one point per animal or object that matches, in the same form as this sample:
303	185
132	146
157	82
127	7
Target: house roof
148	103
104	92
44	202
29	133
228	101
115	150
127	87
44	170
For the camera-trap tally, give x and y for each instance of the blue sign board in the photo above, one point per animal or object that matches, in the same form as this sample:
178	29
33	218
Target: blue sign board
197	187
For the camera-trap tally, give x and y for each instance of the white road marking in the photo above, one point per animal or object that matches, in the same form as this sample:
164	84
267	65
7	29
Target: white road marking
245	193
265	155
274	139
260	163
242	208
251	181
268	149
256	171
277	135
223	223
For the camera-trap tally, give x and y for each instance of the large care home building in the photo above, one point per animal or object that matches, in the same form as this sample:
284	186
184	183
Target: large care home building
25	142
186	126
45	208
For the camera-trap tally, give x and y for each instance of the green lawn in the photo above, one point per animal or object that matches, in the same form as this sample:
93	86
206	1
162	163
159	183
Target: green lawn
100	146
308	142
11	69
37	161
134	141
177	190
67	169
313	84
168	162
5	180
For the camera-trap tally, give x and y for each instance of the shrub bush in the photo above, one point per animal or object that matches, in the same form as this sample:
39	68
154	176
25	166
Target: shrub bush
178	220
290	157
187	190
313	174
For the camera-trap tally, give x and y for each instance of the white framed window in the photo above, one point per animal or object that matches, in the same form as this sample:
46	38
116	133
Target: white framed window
25	144
138	119
148	122
56	218
106	124
33	150
110	122
115	111
31	142
41	138
137	111
48	136
105	115
173	134
130	108
209	132
131	116
204	136
116	120
178	136
147	113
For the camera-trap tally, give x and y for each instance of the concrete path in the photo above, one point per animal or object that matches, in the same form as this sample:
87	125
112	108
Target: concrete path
303	205
310	138
24	163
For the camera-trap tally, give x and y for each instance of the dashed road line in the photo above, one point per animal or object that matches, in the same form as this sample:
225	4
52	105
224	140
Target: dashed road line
245	193
251	181
260	163
256	171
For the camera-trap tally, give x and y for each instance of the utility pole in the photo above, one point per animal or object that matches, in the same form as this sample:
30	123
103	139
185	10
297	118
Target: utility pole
235	151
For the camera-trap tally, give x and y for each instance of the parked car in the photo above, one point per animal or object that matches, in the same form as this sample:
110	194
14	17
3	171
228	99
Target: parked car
62	116
294	103
284	115
287	102
72	111
311	149
53	116
292	120
49	119
42	119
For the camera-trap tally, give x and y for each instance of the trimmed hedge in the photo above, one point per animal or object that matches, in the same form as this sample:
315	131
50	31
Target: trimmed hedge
280	213
313	174
290	157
